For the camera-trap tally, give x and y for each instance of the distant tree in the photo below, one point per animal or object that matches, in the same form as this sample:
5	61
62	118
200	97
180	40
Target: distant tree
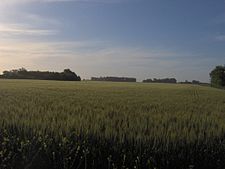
186	82
22	70
195	82
114	79
70	76
66	75
148	81
166	80
218	76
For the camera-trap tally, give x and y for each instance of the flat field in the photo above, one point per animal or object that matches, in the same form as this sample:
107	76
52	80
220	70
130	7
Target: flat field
82	125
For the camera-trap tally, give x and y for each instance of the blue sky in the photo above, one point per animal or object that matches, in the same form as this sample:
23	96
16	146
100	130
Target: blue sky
184	39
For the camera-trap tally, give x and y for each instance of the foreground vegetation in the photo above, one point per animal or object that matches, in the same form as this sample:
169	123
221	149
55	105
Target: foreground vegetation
82	125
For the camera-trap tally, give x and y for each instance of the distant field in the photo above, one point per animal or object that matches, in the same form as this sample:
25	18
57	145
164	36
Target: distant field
62	125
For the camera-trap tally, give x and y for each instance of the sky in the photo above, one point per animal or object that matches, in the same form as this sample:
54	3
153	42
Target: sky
184	39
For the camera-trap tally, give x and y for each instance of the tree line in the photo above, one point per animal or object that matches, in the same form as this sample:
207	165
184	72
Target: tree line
217	76
154	80
66	75
166	80
114	79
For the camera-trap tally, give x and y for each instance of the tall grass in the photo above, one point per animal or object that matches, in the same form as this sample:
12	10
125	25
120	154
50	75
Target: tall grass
62	125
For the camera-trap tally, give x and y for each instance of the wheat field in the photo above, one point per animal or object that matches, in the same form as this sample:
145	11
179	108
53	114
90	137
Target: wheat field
82	125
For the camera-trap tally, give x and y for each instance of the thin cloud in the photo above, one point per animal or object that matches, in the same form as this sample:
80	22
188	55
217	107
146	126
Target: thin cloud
40	20
100	51
92	58
85	53
51	1
220	38
23	29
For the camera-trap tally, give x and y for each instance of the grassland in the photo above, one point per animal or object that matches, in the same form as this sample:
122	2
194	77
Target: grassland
82	125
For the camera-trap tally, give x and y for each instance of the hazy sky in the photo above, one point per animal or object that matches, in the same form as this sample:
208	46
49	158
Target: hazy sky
137	38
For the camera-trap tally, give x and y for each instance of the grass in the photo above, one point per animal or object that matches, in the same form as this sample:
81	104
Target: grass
62	125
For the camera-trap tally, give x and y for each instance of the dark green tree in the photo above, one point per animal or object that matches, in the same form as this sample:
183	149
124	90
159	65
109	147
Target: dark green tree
218	76
66	75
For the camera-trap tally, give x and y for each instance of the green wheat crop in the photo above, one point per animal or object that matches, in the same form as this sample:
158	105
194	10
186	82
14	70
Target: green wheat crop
82	125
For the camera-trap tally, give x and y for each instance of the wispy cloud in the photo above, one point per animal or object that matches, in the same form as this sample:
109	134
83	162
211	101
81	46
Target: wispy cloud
40	20
22	24
51	1
97	50
220	38
23	29
90	58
